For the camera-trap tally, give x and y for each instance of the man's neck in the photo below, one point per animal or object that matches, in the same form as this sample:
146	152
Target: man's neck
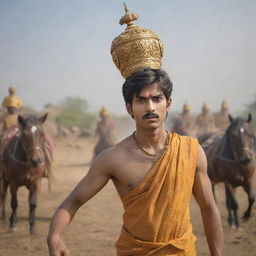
154	139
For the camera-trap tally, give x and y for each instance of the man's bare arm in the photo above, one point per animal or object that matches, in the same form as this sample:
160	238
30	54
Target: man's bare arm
94	181
202	191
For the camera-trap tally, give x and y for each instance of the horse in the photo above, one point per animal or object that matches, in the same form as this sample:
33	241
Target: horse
24	164
231	160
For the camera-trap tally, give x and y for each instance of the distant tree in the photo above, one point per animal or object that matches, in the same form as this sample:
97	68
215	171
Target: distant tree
48	105
74	104
74	113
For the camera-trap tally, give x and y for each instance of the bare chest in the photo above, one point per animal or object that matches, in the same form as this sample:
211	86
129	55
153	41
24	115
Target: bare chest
131	173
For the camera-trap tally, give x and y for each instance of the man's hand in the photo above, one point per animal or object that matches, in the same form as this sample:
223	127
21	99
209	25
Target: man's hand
57	247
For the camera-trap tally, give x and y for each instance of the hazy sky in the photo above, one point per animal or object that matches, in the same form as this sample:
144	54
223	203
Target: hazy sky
51	49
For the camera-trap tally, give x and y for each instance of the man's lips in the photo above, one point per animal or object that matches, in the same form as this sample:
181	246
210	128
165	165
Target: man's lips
150	115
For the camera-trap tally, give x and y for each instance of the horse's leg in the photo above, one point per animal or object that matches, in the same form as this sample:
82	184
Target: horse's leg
3	192
14	205
248	189
33	191
232	205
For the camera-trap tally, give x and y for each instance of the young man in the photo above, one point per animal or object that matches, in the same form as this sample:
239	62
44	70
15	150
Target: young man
155	174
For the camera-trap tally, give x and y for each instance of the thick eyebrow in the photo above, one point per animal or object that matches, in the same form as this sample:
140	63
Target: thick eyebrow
152	96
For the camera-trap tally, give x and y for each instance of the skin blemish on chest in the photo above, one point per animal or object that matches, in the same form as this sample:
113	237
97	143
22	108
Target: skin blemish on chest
130	185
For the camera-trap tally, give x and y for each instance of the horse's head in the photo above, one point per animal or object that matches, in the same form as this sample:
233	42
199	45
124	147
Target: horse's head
242	139
32	139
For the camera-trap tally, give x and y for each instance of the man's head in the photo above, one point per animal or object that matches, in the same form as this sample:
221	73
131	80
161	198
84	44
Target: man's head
144	77
205	108
224	106
147	97
12	90
186	108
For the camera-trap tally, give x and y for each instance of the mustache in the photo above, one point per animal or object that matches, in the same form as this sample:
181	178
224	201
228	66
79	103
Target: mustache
150	115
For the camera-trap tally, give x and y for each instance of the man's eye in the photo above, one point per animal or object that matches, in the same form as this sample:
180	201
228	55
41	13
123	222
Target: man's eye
141	100
157	99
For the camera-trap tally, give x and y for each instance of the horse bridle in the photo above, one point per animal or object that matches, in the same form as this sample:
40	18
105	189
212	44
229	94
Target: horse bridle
235	161
25	150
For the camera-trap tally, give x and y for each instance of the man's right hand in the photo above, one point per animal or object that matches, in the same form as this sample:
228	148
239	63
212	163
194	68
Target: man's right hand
57	247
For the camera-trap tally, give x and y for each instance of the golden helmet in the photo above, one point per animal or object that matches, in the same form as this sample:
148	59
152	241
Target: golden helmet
186	107
224	104
104	112
205	106
12	90
136	48
12	101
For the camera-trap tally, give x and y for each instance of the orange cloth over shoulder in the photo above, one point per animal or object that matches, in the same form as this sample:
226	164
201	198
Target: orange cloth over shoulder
156	217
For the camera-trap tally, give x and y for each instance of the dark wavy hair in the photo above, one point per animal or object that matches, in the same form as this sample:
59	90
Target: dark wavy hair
140	79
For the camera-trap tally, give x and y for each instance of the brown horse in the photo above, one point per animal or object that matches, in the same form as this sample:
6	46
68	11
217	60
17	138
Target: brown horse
24	164
231	159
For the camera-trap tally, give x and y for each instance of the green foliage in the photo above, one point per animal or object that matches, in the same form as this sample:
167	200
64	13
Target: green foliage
74	104
48	105
74	113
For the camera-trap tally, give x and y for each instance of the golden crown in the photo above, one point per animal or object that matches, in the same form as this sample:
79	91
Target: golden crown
136	48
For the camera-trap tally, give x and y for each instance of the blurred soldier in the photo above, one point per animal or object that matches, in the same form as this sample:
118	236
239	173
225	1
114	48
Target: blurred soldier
10	125
205	121
183	124
104	131
9	119
221	118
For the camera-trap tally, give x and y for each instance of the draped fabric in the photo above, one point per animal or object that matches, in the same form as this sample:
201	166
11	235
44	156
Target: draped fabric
156	217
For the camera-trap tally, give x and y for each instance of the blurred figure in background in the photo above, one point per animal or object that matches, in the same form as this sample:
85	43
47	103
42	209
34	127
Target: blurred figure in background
104	131
9	120
221	117
205	121
184	123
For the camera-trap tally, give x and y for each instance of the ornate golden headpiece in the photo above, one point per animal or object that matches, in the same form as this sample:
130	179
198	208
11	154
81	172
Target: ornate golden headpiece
136	48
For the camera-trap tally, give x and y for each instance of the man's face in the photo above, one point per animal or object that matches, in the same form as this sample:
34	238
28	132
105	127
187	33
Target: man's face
149	107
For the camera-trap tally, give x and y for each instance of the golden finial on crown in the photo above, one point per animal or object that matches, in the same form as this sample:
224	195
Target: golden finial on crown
136	48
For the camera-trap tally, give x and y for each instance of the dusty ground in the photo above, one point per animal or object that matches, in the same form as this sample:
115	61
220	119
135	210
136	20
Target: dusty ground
96	227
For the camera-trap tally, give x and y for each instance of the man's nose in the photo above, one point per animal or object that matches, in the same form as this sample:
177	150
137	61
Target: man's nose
150	107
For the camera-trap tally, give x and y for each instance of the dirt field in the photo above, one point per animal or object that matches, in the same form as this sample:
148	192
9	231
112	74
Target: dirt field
96	227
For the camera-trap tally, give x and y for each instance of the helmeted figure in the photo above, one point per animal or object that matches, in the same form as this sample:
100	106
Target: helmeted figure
205	121
9	119
221	117
184	123
11	103
104	131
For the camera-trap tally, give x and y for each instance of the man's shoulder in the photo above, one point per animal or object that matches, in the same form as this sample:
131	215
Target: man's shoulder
183	138
116	150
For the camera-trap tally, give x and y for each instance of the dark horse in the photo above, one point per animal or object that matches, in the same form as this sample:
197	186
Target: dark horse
231	159
24	164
